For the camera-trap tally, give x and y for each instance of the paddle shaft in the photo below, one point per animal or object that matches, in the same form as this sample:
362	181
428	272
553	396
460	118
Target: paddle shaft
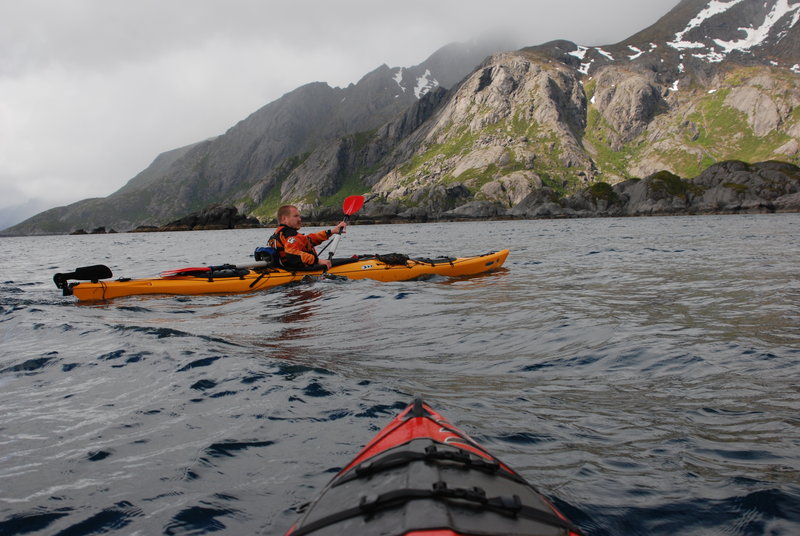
336	240
351	205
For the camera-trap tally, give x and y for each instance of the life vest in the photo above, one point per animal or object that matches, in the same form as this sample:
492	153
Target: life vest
296	250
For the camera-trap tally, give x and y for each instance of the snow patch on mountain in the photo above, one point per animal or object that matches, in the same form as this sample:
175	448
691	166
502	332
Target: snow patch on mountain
425	84
755	36
604	53
581	54
711	56
636	52
718	49
398	77
715	7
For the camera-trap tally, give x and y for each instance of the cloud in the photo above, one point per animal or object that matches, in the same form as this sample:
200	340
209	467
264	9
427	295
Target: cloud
91	91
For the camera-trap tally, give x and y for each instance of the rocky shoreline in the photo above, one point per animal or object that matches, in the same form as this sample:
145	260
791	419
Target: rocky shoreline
211	218
730	187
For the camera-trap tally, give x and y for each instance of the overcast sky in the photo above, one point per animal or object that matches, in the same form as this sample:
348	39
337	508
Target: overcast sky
91	91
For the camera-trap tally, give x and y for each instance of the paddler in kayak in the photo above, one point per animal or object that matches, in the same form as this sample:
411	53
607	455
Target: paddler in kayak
296	250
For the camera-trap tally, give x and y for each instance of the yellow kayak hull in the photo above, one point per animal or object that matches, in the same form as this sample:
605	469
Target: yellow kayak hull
261	279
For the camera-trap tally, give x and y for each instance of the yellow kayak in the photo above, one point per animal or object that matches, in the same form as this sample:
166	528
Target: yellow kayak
229	279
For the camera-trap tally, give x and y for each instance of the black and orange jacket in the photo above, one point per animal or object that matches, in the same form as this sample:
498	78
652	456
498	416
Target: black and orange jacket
296	250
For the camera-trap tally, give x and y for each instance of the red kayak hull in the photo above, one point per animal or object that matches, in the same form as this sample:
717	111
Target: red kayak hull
422	476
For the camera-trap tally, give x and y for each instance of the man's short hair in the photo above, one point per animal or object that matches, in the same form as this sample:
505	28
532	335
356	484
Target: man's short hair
284	211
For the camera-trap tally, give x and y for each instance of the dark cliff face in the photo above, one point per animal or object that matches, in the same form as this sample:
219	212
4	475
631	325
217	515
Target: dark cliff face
299	122
309	120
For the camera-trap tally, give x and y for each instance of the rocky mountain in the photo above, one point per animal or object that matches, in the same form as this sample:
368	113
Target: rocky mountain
262	147
712	81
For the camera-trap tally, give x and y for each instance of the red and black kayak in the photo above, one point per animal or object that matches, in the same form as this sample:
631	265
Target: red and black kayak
422	476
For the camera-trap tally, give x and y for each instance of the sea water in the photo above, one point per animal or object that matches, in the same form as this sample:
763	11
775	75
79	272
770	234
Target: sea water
643	373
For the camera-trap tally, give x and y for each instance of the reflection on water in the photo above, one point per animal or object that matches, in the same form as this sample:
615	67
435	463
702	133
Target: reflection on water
291	321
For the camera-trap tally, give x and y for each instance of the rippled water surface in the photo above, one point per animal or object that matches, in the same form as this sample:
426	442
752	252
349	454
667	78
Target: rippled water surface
643	373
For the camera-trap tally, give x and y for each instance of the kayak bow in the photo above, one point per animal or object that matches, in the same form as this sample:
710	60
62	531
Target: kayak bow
422	476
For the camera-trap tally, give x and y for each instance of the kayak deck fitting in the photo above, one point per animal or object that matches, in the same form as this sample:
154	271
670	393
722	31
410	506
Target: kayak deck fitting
422	476
231	279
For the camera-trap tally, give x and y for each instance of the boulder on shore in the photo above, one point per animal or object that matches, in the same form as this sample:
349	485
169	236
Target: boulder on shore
213	217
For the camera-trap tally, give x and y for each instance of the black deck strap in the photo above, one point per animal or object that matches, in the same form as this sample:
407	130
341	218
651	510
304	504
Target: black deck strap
225	271
257	279
464	457
435	260
222	267
508	505
193	273
431	454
